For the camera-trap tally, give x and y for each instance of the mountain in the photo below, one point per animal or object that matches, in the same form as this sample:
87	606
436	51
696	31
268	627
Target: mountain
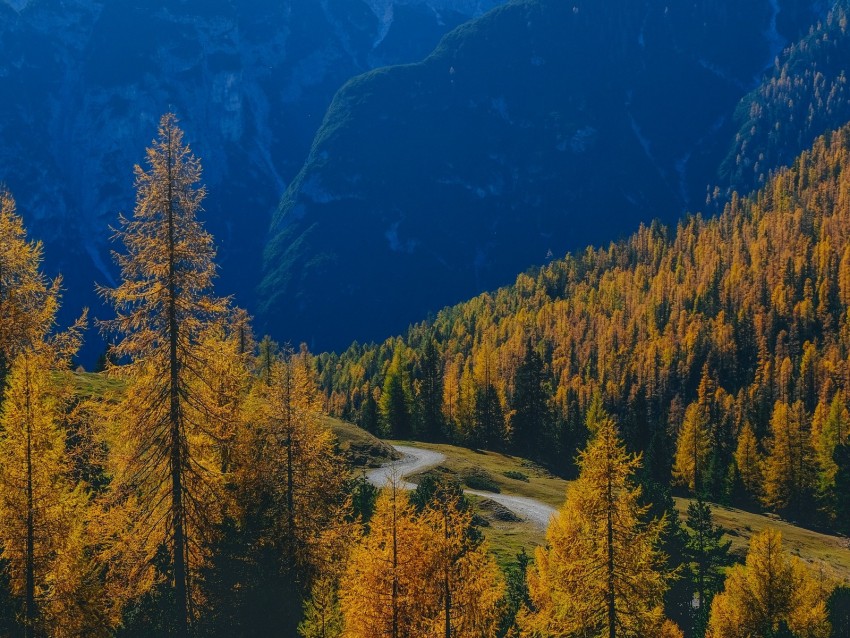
743	316
804	96
85	81
539	127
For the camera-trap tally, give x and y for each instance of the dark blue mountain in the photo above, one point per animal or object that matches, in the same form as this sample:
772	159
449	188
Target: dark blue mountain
538	128
83	83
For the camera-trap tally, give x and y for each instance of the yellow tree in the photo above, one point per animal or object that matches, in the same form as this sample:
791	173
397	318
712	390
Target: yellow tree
42	508
749	461
163	475
291	478
789	466
388	587
772	590
469	584
601	572
28	302
692	448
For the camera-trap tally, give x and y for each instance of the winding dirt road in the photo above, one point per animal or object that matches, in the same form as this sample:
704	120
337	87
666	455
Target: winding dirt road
415	460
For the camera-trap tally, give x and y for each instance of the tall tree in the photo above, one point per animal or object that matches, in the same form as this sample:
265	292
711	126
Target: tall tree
163	307
384	591
431	392
469	584
531	416
748	461
693	448
396	400
789	475
43	526
709	555
290	481
773	590
28	301
600	573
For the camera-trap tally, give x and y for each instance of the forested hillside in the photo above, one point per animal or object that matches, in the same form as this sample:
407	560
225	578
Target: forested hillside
720	346
511	140
193	487
805	96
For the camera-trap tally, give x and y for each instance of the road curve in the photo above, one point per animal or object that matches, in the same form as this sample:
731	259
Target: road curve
415	460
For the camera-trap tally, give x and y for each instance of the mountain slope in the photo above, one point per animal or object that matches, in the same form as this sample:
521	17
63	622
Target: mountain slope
538	127
804	96
744	316
85	81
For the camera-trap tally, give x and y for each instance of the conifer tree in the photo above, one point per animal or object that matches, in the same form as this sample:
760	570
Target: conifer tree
748	461
291	483
42	508
772	591
469	585
530	407
600	573
395	404
167	478
692	449
709	555
431	392
789	466
28	301
387	586
832	432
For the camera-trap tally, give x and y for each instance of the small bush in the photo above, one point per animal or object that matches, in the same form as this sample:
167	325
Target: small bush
517	476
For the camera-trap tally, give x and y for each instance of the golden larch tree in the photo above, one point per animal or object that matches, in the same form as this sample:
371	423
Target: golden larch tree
601	572
469	584
693	448
771	590
789	466
28	301
165	477
388	588
43	529
749	460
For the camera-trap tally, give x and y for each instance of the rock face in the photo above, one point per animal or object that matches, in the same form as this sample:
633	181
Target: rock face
540	127
85	81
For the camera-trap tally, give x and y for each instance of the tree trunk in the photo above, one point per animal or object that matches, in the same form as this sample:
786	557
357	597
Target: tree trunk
612	609
181	602
30	578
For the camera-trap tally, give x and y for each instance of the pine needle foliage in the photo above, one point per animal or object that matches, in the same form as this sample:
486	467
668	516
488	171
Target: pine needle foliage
600	573
166	479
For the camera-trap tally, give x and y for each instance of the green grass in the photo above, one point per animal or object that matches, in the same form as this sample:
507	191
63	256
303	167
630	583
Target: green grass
93	384
832	553
358	446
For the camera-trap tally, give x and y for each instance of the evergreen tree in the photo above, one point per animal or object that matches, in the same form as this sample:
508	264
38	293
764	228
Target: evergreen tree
489	419
431	392
600	571
395	404
167	479
841	488
529	403
709	555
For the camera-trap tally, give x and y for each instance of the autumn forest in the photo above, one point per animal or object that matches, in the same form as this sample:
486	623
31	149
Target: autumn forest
192	485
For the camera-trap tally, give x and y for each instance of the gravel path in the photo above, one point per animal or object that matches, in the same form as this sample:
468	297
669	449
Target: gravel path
416	460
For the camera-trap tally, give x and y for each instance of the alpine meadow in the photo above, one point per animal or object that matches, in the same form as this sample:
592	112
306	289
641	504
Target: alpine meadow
426	319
